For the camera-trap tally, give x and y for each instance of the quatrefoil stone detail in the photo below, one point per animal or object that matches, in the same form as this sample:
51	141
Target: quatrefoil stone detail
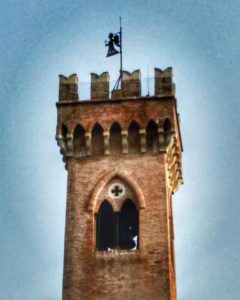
116	191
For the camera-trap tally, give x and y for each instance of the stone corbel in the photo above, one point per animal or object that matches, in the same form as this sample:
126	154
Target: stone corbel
61	143
88	139
69	139
106	142
142	133
124	141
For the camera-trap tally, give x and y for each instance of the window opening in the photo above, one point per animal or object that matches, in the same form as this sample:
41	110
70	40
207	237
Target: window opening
152	137
115	139
79	141
116	230
105	227
167	130
133	138
128	226
97	140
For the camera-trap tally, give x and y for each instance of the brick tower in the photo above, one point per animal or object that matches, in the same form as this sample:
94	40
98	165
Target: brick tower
123	157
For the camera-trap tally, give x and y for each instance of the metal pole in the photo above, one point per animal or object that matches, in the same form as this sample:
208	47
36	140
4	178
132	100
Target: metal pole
120	50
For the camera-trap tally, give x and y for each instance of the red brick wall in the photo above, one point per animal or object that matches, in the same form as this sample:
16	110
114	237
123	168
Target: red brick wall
142	274
87	113
147	273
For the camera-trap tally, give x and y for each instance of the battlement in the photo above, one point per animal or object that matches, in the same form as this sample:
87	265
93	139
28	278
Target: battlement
131	86
164	85
68	88
99	86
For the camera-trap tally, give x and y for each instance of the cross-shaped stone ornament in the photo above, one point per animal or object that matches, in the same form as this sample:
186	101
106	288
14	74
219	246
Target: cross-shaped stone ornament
116	191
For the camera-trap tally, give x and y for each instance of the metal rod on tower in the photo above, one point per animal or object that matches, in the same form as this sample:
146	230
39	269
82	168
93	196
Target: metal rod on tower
120	19
115	40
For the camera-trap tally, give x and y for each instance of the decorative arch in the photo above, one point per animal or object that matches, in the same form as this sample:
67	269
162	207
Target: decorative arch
152	137
167	125
97	140
115	140
105	231
167	129
134	144
79	142
137	120
129	226
103	124
92	204
111	202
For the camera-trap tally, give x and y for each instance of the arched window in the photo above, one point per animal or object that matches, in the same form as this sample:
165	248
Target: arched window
97	140
133	138
152	137
116	230
106	227
79	142
115	141
128	226
167	130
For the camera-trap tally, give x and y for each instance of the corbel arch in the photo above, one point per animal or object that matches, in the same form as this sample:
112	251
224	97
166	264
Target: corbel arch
92	204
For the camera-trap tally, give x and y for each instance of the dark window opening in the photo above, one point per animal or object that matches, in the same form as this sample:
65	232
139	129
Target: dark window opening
97	140
133	138
167	125
128	226
167	130
79	141
115	139
105	227
152	137
117	230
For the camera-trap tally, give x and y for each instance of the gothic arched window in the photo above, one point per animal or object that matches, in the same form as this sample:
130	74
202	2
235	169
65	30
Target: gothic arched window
152	136
128	226
106	230
133	138
115	141
167	130
79	141
97	140
116	230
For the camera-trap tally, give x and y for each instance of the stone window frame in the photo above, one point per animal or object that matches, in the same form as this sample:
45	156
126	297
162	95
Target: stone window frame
136	196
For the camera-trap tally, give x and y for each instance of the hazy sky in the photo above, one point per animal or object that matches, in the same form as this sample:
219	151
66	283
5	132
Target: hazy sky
41	39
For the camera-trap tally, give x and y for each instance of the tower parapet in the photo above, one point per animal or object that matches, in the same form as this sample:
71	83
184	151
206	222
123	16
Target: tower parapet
131	86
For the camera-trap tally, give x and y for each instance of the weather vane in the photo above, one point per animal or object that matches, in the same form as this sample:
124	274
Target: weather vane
114	45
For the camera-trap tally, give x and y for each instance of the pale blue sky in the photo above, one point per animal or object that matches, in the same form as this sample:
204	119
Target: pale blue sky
41	39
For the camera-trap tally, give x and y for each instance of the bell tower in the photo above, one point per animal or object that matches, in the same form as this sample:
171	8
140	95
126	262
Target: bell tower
122	153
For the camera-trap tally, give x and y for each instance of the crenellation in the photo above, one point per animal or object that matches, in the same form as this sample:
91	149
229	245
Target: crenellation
163	82
68	88
130	86
99	86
